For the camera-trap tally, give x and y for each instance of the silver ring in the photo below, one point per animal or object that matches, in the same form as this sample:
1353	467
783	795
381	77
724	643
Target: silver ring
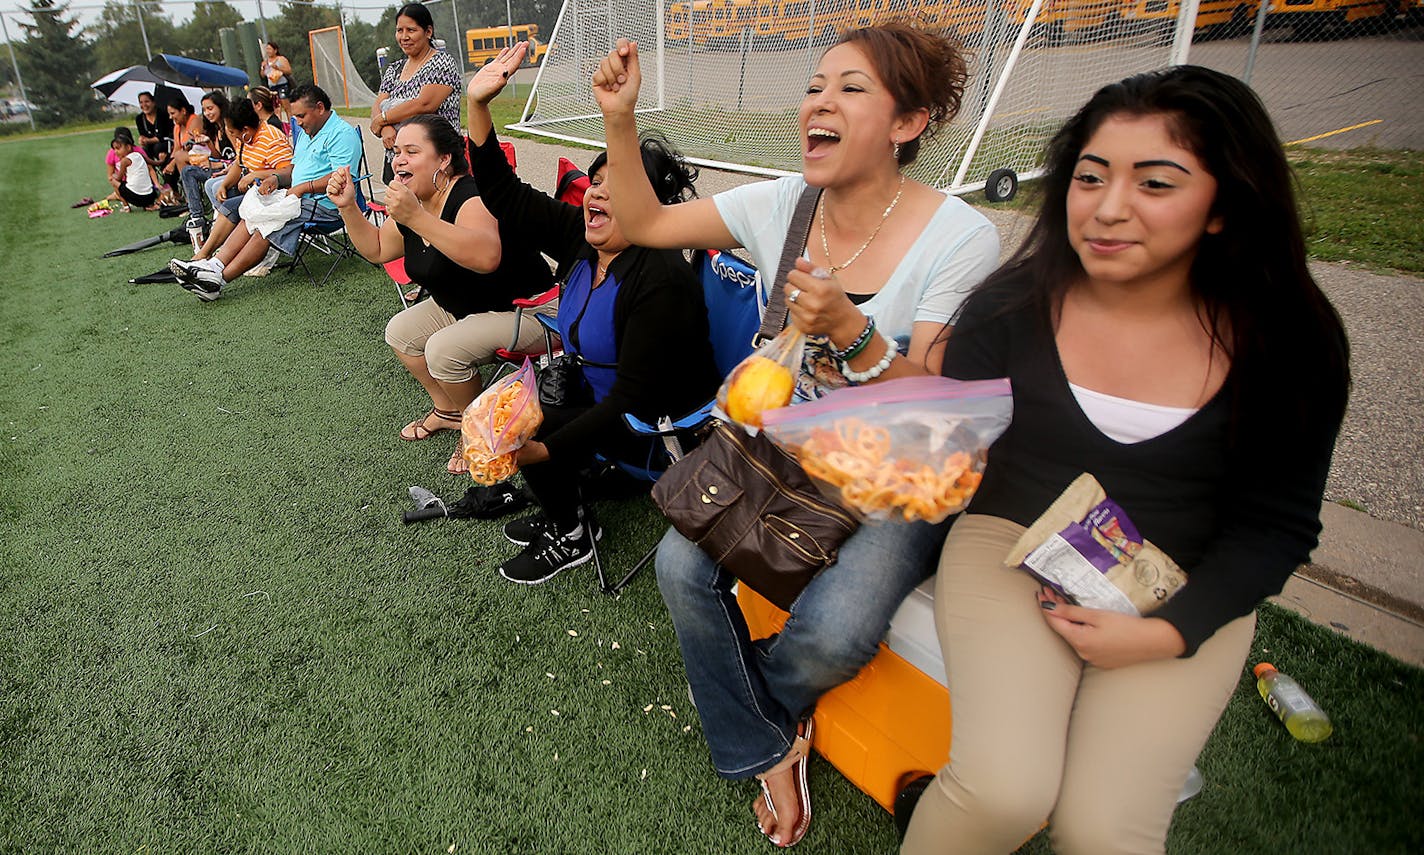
794	295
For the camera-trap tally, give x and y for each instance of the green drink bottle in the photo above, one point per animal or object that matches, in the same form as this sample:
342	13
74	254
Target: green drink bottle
1301	715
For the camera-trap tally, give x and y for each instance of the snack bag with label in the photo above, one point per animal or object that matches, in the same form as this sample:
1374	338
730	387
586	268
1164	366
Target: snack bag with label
498	422
907	449
1086	548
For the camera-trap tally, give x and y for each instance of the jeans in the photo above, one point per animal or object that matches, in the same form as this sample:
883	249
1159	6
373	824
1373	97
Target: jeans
199	181
750	695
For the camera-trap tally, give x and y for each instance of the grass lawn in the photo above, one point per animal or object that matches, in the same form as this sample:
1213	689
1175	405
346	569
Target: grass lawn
215	635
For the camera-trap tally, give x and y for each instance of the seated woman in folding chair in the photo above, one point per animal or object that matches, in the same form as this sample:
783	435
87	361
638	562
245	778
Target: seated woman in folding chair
637	313
473	267
896	257
263	152
324	144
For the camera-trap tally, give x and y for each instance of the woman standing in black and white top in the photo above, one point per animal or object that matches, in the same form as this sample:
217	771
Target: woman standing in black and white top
424	81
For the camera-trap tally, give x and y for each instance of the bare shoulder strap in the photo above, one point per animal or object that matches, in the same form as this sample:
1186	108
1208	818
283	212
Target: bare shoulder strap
797	233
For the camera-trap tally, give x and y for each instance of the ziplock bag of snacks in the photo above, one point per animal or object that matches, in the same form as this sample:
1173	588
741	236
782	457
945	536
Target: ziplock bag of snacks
911	449
498	422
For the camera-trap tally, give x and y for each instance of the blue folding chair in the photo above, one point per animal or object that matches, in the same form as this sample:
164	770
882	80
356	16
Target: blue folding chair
330	238
729	288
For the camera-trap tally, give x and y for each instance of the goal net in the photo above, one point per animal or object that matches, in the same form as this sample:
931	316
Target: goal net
722	79
334	72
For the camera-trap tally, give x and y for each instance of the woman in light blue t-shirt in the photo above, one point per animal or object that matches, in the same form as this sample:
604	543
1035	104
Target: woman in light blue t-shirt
900	257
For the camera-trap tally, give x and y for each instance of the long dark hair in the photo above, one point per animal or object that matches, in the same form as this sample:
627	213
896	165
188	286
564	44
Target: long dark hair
215	130
1259	302
445	140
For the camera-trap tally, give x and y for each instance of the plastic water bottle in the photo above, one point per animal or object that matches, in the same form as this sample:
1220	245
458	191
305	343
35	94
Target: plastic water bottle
195	234
1301	715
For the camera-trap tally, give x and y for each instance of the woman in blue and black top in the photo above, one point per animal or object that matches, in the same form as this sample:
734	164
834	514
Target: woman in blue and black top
637	311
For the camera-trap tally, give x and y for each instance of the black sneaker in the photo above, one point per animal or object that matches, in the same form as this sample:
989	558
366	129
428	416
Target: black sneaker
523	531
546	556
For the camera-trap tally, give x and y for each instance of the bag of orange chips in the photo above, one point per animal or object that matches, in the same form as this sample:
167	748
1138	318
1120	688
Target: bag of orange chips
498	422
911	449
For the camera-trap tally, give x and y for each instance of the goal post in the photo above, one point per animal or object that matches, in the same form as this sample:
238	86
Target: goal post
333	70
722	79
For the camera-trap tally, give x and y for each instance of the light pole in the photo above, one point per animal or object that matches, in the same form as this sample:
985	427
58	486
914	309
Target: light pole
29	111
138	10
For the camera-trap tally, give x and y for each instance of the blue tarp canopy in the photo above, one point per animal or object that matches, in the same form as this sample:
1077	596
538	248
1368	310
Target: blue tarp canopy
195	72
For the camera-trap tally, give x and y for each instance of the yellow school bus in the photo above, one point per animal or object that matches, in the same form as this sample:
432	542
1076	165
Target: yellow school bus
1231	17
1329	12
483	44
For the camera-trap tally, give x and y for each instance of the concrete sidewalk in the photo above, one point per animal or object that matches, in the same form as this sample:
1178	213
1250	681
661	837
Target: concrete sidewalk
1366	579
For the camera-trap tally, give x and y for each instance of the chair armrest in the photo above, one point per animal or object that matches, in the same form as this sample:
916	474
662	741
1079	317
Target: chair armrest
690	422
537	300
548	323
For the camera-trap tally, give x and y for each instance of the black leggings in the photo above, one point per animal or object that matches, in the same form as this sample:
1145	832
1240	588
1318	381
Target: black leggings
555	482
142	201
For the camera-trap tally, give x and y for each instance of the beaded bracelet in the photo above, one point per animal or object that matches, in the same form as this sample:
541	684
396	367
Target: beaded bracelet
856	346
858	377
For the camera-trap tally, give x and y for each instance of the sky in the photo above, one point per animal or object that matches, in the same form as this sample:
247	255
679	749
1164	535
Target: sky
87	11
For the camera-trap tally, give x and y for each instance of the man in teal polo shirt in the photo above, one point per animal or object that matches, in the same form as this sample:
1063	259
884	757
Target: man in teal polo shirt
325	142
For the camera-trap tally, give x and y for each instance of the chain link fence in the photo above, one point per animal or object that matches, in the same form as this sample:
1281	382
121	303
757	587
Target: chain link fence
1333	73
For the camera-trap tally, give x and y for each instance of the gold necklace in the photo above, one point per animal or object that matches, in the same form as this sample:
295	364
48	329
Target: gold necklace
826	246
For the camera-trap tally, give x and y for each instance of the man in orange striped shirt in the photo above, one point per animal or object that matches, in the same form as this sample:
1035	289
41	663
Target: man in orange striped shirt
263	151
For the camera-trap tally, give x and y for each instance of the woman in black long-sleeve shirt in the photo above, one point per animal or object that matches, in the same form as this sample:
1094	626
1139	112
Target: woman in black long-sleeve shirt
636	316
1162	332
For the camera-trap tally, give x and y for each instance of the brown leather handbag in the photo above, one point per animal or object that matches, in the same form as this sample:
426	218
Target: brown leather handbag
752	509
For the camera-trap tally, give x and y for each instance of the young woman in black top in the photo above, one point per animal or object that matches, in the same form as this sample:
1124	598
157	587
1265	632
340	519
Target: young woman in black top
1163	333
636	311
472	265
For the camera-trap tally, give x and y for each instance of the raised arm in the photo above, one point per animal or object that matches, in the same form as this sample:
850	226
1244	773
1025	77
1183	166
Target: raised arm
645	221
488	82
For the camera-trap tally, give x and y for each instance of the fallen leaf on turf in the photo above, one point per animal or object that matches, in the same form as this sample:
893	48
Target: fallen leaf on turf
645	775
607	682
547	674
573	633
553	712
648	708
617	646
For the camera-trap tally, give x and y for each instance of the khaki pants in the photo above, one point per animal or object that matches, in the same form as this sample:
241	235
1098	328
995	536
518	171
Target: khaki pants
1038	735
454	349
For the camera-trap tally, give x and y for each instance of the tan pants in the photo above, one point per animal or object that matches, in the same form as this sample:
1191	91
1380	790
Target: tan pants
454	349
1038	735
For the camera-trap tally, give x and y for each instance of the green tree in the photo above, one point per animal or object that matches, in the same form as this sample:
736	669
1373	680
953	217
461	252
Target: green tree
58	66
198	38
118	39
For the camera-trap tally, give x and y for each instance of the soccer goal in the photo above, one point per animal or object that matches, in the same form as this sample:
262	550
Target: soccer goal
722	79
333	70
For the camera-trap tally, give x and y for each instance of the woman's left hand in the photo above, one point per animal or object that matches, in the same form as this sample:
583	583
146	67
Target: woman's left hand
402	203
1110	639
820	306
531	452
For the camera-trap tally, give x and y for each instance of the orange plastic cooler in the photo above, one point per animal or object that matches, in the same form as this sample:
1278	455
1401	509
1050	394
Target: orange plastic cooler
892	720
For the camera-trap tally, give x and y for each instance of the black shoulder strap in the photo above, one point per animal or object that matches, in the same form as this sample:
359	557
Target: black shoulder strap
797	233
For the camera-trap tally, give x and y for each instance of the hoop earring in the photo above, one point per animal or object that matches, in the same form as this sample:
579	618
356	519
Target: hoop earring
895	152
435	180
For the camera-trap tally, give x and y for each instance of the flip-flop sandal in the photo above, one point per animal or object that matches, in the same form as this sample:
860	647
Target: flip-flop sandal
803	791
458	465
417	431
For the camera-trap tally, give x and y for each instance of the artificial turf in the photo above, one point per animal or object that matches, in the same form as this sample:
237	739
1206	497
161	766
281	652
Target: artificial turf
215	635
